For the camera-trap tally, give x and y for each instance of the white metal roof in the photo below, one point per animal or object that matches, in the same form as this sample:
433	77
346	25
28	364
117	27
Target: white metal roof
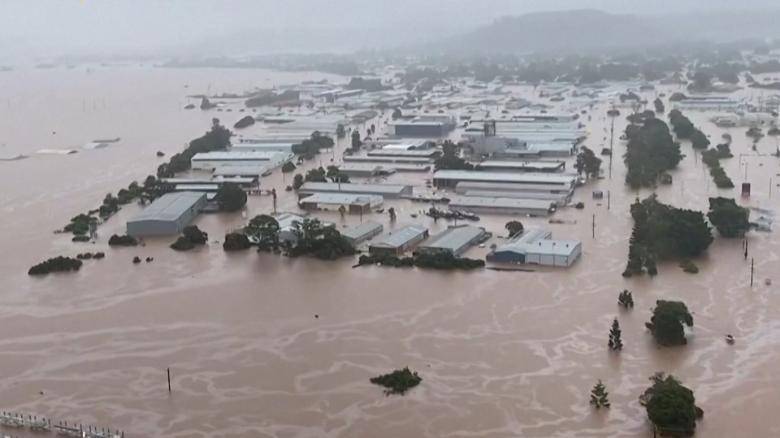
169	207
482	176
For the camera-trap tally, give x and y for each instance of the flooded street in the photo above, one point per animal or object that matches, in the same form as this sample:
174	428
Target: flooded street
265	346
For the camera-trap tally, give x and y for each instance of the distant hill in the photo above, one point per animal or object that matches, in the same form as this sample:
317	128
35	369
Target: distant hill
567	31
593	30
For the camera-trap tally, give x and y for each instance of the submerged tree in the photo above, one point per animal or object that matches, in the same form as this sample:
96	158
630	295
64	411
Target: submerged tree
265	231
659	106
626	300
729	219
588	163
667	321
671	407
615	343
398	382
356	142
230	197
599	397
514	227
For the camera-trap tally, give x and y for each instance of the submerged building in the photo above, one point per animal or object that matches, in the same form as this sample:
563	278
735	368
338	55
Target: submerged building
217	159
389	191
537	247
426	126
353	203
360	233
167	215
450	178
399	241
505	205
454	240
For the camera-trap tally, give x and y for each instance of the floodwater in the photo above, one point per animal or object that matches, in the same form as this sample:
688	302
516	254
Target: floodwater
501	354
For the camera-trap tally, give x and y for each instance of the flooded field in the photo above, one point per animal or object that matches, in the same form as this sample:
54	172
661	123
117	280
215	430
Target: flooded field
265	346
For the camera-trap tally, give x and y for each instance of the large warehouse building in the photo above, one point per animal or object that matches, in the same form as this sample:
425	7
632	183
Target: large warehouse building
167	215
454	240
536	247
388	191
450	178
399	241
425	126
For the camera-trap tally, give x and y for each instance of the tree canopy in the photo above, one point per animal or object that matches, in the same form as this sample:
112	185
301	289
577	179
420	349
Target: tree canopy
666	324
671	407
514	227
664	232
729	219
588	163
265	230
650	152
450	158
230	197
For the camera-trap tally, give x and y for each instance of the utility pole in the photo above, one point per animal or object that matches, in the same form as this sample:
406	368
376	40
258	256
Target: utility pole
594	226
751	271
169	379
611	139
608	199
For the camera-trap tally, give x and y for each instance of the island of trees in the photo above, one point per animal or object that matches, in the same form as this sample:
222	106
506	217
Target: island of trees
56	264
663	232
729	219
671	407
684	129
123	240
191	237
397	382
650	152
666	324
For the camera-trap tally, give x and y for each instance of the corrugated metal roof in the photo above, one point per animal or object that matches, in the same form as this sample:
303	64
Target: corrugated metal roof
482	176
387	189
399	237
239	156
343	198
454	238
358	231
169	207
539	241
489	202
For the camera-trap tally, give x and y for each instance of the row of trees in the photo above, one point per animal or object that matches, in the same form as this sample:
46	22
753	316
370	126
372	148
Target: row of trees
711	158
311	237
684	129
217	138
440	261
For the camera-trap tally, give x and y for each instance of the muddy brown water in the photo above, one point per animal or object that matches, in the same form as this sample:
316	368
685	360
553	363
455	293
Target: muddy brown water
502	354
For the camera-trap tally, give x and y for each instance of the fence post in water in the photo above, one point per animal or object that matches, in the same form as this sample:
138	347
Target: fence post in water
169	379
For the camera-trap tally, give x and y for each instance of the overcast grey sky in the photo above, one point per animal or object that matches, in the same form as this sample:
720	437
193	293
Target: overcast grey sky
50	27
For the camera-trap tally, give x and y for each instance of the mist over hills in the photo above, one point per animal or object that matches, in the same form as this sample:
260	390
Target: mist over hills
588	30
